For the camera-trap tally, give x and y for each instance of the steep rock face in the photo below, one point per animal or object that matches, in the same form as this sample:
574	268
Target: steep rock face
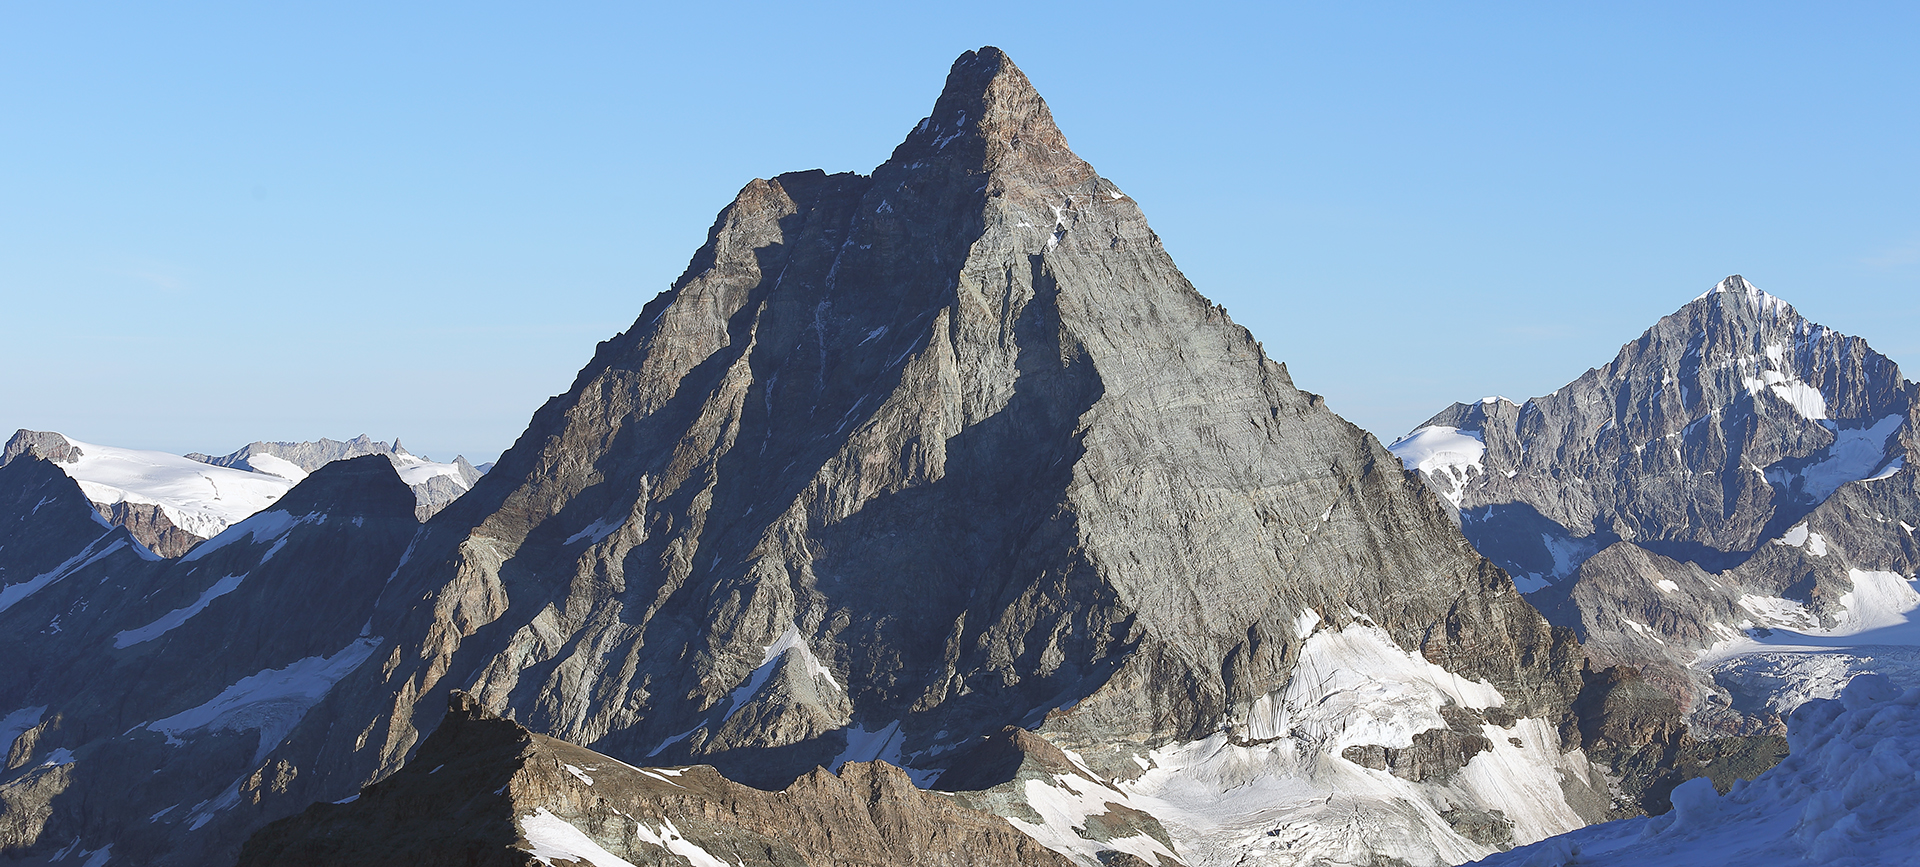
902	460
143	695
1736	468
46	520
484	790
149	523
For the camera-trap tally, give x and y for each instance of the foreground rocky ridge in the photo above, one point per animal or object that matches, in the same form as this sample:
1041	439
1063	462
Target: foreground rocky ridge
484	790
1738	479
946	467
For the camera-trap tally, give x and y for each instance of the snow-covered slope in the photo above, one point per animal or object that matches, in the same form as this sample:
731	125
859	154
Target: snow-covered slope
435	484
1790	658
170	503
1847	794
198	498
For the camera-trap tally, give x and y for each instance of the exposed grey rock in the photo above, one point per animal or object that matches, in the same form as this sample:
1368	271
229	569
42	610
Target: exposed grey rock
899	462
48	445
484	790
1735	451
149	523
308	456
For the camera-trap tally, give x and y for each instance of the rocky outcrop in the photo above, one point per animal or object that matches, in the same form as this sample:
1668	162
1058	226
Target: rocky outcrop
483	790
44	444
149	523
1736	470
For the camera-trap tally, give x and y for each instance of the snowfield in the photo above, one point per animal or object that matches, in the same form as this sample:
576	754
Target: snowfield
199	498
1847	795
1443	453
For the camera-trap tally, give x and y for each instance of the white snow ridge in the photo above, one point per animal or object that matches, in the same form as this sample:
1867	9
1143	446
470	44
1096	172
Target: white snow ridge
201	499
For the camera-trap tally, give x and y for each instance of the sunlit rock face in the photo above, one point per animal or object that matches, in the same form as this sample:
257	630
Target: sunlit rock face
1737	483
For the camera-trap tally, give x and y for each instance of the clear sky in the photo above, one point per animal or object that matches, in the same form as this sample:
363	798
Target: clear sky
229	222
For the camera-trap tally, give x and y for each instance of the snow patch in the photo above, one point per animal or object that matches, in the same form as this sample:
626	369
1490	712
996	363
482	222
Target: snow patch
788	642
416	470
1801	537
1846	794
15	724
1064	807
267	526
880	745
596	531
1855	454
13	593
550	837
1447	457
276	466
668	837
270	702
174	618
1276	787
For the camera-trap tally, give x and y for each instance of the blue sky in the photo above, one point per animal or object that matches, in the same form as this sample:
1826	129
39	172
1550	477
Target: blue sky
229	222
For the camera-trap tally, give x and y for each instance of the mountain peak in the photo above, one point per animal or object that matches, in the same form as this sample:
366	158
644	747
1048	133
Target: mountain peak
988	111
1758	300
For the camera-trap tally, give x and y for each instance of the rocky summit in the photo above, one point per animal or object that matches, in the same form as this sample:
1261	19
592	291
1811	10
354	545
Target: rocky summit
1728	506
945	468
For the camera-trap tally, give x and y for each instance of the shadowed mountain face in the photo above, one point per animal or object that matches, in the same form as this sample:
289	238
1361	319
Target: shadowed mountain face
484	790
904	460
143	694
1737	467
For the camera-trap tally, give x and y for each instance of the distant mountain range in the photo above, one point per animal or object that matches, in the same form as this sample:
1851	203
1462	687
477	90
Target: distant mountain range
172	503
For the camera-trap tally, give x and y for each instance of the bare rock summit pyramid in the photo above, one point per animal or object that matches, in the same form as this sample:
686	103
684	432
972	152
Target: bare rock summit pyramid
950	468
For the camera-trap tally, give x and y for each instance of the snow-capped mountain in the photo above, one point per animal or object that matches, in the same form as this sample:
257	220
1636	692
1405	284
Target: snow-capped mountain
143	692
1737	481
434	484
172	503
946	467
